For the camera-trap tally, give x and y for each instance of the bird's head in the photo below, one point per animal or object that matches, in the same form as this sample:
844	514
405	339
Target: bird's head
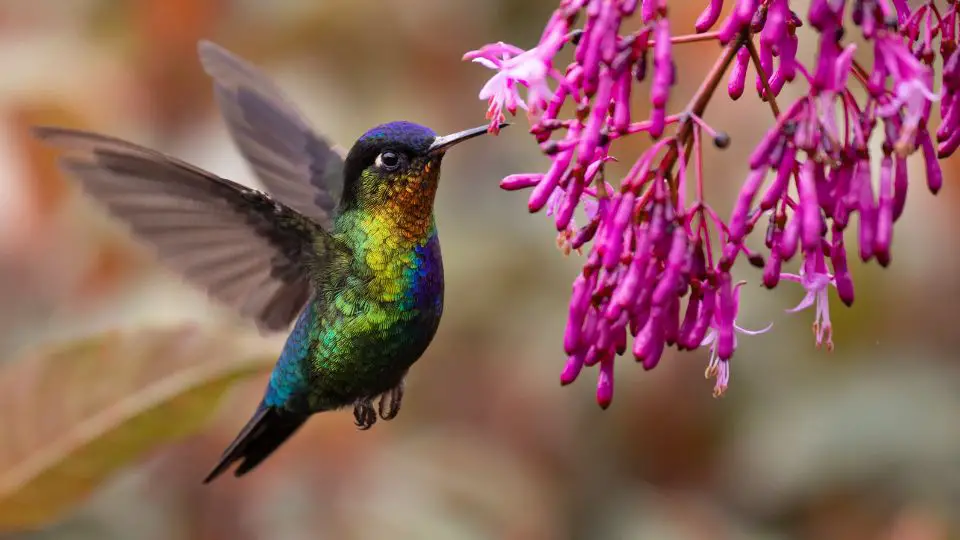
397	163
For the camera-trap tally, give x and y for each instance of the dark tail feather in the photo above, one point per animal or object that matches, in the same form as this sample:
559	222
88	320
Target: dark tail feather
263	434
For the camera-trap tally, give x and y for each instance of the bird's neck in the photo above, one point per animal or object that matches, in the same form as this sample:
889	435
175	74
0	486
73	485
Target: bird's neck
399	254
393	225
385	236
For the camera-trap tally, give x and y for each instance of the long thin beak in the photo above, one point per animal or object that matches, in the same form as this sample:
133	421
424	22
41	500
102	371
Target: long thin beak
442	144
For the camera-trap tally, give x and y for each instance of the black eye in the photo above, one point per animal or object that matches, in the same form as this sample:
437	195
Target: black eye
389	160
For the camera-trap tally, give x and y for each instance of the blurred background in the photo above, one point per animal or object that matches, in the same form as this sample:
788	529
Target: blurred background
109	437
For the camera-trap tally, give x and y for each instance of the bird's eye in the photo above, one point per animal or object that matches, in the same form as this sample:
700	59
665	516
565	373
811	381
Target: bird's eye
388	160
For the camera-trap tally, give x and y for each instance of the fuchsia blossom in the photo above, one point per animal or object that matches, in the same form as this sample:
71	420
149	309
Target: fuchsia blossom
657	268
816	279
719	367
517	67
501	91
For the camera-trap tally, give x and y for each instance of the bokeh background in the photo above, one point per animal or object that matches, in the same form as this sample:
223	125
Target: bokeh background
860	443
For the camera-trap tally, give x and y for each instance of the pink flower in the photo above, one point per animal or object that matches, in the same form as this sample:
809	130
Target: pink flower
658	256
516	67
718	367
913	92
816	280
914	96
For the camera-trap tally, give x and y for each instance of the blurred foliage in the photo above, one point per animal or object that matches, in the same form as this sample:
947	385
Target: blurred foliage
78	412
857	444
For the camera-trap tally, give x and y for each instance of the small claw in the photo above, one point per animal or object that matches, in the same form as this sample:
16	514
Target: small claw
390	401
364	415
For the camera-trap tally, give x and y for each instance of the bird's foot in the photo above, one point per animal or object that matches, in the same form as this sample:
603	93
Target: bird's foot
364	415
390	402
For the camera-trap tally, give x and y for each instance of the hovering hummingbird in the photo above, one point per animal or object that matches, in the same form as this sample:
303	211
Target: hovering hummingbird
346	245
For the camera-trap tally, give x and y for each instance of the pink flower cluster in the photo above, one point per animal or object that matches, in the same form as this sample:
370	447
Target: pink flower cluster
659	261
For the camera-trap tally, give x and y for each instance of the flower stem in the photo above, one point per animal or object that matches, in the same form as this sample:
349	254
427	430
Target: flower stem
690	38
860	74
698	165
755	57
697	105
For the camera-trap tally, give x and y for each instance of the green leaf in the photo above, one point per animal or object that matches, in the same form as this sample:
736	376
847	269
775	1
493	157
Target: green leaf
73	415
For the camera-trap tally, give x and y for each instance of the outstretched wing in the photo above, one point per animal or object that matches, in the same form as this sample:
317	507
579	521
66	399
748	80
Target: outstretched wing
244	249
298	167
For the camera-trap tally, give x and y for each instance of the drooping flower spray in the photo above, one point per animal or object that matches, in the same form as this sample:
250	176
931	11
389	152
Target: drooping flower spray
658	264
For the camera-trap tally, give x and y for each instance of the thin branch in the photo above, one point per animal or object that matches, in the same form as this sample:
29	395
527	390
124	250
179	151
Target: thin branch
698	104
690	38
755	56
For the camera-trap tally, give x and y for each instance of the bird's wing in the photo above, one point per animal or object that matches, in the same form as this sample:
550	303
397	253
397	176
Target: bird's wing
244	249
297	166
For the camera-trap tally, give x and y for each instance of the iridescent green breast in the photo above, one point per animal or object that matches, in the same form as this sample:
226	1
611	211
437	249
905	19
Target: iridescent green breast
376	323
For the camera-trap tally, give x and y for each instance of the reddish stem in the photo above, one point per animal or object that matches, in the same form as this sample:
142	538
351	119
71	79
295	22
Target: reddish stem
698	163
755	57
690	38
698	104
861	75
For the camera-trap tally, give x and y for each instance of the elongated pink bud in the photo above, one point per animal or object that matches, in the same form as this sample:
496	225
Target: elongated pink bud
572	369
626	293
605	382
592	44
671	321
648	345
690	316
670	280
900	184
705	316
842	180
738	74
569	204
844	281
867	207
771	271
950	123
620	335
662	65
648	10
776	23
709	16
791	238
741	210
779	186
658	121
761	154
950	144
541	193
579	303
621	97
746	9
809	207
726	341
520	181
590	136
884	231
934	174
612	239
590	331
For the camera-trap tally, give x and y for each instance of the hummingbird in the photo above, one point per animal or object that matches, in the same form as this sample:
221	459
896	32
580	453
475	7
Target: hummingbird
342	245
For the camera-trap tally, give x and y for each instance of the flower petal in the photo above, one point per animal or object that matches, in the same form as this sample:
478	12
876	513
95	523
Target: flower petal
752	332
805	303
486	62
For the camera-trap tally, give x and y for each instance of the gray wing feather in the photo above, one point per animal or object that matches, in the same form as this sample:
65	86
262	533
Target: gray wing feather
296	165
244	249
